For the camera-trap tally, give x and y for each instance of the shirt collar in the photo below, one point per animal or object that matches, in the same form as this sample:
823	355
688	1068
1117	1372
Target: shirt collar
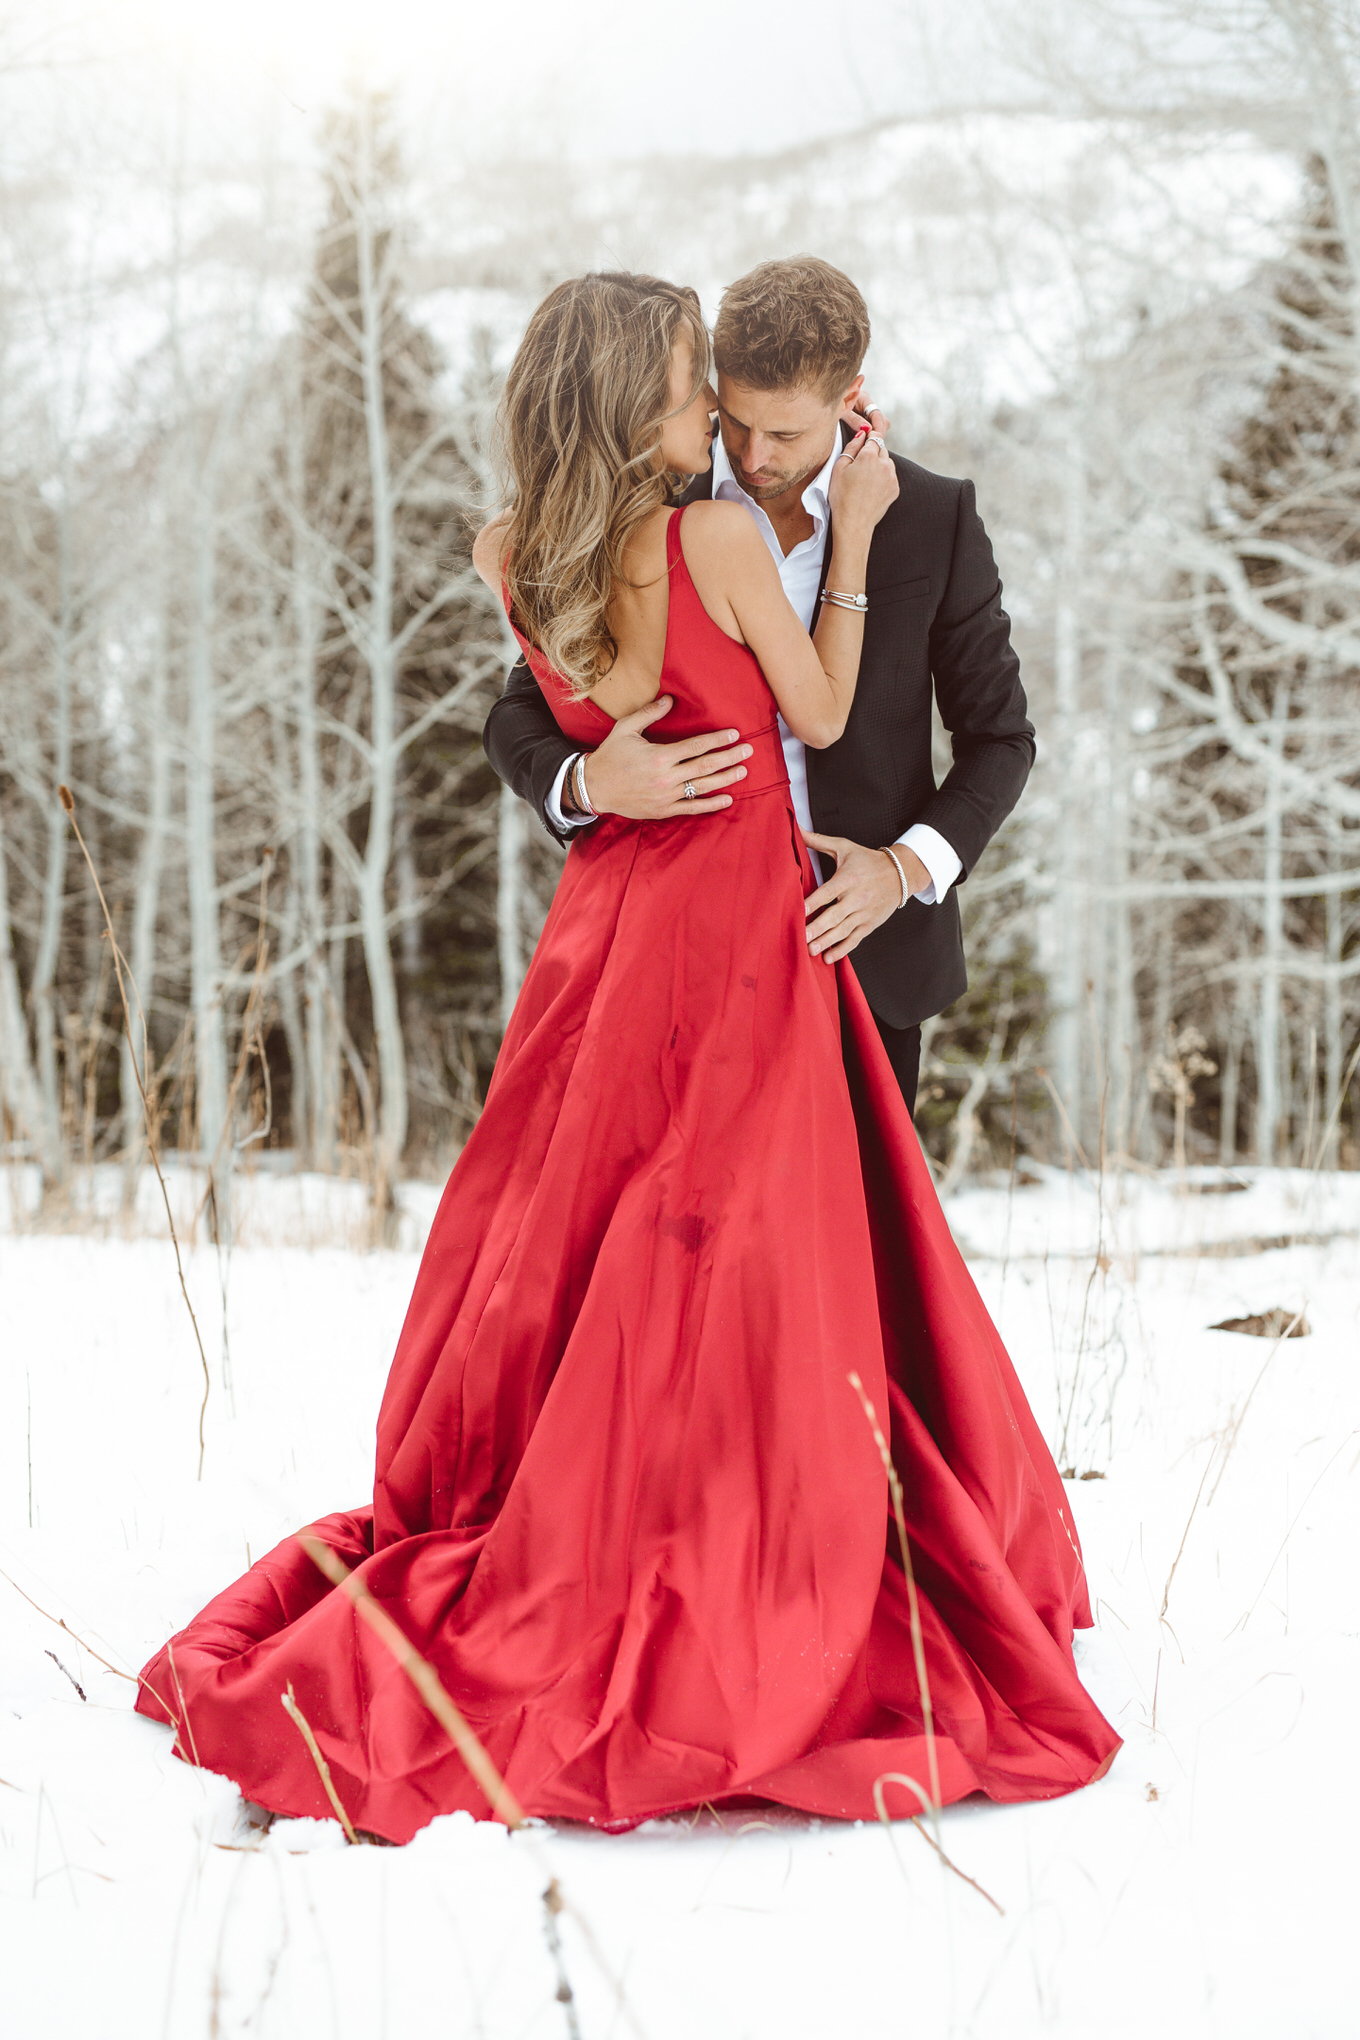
816	496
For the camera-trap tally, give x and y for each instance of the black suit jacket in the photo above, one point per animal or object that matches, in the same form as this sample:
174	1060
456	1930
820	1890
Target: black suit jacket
934	613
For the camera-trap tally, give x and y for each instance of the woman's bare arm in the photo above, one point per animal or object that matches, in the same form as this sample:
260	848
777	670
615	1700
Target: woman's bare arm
812	678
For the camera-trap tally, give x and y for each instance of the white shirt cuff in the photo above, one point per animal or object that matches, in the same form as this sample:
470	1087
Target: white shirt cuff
942	862
553	804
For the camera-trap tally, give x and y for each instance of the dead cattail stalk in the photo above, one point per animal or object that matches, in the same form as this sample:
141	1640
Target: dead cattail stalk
917	1641
120	965
323	1769
901	1778
470	1748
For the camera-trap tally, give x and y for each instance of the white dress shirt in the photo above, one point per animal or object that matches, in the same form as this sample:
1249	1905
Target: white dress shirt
800	573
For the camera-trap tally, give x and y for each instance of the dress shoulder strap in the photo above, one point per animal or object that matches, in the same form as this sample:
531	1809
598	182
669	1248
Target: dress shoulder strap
673	552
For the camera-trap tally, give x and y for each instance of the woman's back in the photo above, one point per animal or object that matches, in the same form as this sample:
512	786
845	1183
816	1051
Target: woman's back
669	643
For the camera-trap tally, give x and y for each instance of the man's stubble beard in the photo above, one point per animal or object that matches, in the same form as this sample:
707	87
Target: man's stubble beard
769	492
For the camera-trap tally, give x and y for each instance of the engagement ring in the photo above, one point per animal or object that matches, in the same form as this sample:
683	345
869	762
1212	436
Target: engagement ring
689	790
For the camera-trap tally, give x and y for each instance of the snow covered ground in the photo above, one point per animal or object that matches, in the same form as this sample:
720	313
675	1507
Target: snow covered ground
1203	1888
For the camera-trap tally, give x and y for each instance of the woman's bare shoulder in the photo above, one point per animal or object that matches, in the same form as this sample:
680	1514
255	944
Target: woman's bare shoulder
718	524
721	538
488	551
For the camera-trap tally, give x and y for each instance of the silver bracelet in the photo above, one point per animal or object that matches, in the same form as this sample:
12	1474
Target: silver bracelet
578	782
840	600
898	867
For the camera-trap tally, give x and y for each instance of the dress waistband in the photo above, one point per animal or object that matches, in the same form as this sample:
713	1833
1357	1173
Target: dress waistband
767	768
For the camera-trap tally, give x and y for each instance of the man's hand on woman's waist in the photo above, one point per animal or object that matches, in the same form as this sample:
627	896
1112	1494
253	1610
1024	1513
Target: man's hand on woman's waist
646	782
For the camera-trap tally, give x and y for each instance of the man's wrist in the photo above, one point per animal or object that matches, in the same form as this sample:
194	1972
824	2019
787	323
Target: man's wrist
899	866
556	806
575	800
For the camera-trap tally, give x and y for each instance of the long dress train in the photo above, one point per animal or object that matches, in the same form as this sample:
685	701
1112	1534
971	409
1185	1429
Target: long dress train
626	1498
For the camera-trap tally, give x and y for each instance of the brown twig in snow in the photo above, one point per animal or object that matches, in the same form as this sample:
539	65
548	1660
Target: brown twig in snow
61	1668
323	1769
120	965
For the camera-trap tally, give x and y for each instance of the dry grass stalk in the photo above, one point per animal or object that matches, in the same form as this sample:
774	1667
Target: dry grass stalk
474	1753
931	1801
120	965
1068	1127
917	1641
1235	1427
323	1769
183	1709
133	1678
1166	1590
901	1778
1335	1114
423	1677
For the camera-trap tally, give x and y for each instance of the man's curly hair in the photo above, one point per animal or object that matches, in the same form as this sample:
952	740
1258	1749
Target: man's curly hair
793	325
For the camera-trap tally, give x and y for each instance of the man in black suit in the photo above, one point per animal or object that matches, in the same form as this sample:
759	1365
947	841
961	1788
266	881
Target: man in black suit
788	345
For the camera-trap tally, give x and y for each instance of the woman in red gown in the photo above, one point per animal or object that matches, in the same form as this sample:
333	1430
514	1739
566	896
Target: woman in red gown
627	1501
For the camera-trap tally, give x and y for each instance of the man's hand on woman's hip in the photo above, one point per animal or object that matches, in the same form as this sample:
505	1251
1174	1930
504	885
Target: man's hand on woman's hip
864	890
646	782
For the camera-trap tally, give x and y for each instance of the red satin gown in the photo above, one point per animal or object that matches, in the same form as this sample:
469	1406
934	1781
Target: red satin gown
626	1499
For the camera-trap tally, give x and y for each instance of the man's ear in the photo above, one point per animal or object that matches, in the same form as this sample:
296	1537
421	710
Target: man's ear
849	415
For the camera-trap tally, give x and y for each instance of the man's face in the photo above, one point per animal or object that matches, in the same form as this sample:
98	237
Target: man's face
777	439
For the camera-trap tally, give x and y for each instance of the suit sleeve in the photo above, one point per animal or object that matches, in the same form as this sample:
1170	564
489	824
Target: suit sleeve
982	703
525	743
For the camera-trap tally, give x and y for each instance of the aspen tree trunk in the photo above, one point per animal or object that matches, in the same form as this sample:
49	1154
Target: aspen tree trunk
145	909
1069	916
205	942
1333	1037
1268	1042
1230	1087
19	1090
286	984
1121	1004
315	1131
380	658
42	987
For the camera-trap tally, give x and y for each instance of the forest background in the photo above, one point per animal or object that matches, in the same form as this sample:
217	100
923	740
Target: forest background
250	345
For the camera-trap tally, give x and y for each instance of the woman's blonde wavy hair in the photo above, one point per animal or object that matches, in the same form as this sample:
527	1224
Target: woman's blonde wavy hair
578	442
